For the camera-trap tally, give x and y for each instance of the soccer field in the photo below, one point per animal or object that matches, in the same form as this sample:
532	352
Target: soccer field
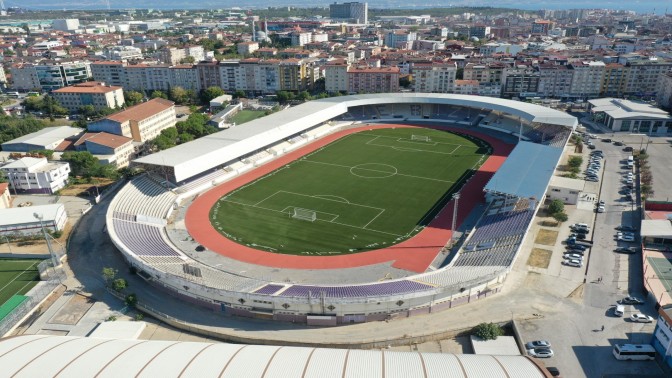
365	191
17	277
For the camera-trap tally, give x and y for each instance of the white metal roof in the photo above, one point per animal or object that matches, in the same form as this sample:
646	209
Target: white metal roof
661	228
205	153
24	215
624	109
46	136
49	356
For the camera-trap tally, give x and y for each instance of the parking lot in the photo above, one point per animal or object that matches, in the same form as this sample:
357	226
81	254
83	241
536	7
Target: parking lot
583	326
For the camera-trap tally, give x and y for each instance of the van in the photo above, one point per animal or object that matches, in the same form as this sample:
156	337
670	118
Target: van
580	225
631	159
619	310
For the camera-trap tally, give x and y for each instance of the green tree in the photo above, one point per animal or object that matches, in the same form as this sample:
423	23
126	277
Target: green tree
185	137
179	95
119	284
488	331
109	274
210	93
556	206
239	94
575	161
49	154
131	300
284	96
159	94
188	60
560	217
82	163
303	96
133	97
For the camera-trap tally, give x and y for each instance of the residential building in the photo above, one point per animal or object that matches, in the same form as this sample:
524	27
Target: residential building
353	12
484	73
614	81
479	31
434	77
48	77
300	38
141	122
247	48
108	148
520	81
373	80
336	76
3	77
541	27
295	75
5	196
122	53
492	48
555	80
46	139
90	93
208	74
110	72
400	39
587	79
466	87
36	175
664	95
643	76
184	76
630	116
177	55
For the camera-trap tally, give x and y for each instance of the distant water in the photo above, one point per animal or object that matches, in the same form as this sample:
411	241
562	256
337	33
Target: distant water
640	6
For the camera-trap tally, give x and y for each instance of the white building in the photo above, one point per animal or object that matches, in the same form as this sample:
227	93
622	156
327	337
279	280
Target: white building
122	53
46	139
141	122
587	79
434	77
36	175
19	221
66	25
300	39
630	116
492	48
565	189
400	39
336	76
90	93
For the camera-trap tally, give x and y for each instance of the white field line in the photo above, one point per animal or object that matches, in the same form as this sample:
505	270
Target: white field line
375	170
17	276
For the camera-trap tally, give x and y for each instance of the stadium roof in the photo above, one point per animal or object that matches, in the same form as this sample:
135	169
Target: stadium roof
200	155
49	356
526	172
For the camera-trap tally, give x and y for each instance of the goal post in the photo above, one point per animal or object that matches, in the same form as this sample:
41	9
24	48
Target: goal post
304	214
421	138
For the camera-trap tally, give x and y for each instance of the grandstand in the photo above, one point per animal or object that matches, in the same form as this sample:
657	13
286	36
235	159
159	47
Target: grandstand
138	215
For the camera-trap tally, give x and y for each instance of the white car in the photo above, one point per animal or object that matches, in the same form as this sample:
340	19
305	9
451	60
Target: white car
641	318
601	209
573	262
626	238
540	352
573	256
538	344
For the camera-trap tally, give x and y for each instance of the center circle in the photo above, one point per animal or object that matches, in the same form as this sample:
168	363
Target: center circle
373	170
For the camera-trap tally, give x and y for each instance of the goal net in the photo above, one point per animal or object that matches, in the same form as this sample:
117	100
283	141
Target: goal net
304	214
421	138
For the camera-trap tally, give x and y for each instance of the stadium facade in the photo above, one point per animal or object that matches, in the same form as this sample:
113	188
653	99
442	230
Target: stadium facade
138	215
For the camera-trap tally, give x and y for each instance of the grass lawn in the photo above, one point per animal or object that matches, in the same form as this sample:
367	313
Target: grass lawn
540	258
247	116
546	237
366	191
17	277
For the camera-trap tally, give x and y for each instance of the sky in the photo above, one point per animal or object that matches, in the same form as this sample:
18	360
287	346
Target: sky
640	6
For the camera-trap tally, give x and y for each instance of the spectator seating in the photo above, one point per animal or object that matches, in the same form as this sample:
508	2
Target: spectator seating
143	239
499	225
209	178
385	288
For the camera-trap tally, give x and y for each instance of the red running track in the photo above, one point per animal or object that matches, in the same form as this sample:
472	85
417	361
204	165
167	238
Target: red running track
414	254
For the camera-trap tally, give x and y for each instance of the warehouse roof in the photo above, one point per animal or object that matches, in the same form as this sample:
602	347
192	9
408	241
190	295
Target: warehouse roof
526	172
623	109
24	215
48	356
46	136
202	154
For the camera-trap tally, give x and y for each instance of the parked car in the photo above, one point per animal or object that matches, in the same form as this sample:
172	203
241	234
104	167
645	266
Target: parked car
577	247
592	146
573	262
618	143
540	352
641	318
606	140
573	256
592	179
626	238
626	250
537	344
627	148
601	209
626	228
631	301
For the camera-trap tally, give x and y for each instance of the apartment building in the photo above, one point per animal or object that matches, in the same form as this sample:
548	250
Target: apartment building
354	12
108	148
400	39
336	76
144	77
208	74
466	87
643	76
141	122
614	81
122	53
434	77
184	76
587	79
373	80
247	48
48	77
664	95
93	93
484	73
176	55
520	81
555	80
36	175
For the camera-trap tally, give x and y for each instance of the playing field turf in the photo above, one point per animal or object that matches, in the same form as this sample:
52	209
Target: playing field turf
367	190
17	277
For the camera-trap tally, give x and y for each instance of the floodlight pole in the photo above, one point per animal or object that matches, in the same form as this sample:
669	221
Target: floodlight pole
55	261
456	198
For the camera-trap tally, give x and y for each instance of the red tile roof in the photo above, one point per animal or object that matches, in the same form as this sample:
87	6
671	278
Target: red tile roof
142	111
88	87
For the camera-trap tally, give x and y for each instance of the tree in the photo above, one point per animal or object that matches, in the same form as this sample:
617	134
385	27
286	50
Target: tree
185	137
82	163
109	274
159	94
119	284
575	161
488	331
131	300
284	96
133	97
3	177
210	93
179	95
560	217
556	206
239	94
188	60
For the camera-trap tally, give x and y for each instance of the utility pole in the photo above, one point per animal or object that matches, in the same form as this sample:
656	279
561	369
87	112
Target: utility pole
456	198
54	259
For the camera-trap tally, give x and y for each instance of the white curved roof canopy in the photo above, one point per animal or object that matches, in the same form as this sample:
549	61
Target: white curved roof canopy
214	150
50	356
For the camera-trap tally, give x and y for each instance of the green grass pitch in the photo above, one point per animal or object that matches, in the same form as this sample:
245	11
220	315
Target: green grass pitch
17	277
368	190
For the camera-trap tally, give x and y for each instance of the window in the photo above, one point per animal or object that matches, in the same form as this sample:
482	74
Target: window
625	125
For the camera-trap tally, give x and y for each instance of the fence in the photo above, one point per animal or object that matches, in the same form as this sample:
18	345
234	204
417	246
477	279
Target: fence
38	294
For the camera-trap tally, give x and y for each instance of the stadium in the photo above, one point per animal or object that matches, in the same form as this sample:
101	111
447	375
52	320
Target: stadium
343	210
